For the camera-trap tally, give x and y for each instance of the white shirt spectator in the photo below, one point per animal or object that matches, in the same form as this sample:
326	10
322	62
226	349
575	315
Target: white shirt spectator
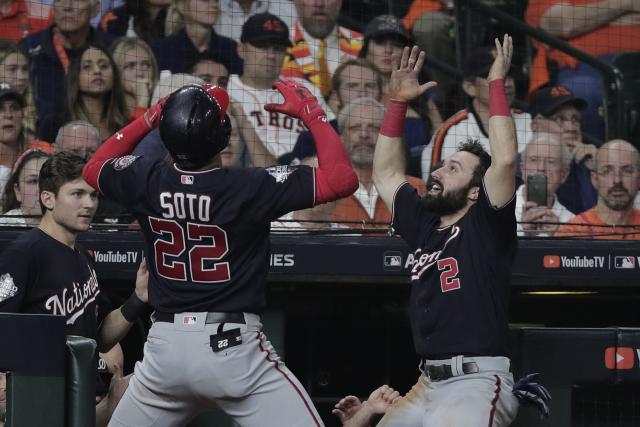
563	214
278	132
232	17
464	125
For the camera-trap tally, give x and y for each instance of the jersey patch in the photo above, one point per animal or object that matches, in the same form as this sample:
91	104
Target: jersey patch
8	289
280	173
124	162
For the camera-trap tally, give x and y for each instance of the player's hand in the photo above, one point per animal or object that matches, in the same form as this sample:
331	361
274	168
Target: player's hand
502	62
381	399
531	393
153	114
404	85
220	94
142	281
299	102
346	408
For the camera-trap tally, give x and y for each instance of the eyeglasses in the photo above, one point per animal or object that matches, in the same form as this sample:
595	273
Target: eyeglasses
625	171
560	120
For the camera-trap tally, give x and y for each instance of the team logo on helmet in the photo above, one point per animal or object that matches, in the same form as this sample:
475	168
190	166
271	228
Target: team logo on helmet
124	162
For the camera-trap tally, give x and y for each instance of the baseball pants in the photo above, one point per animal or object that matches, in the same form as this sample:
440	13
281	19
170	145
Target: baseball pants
181	376
468	400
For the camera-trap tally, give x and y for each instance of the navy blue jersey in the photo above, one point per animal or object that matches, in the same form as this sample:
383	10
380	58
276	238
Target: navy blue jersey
41	275
206	233
460	277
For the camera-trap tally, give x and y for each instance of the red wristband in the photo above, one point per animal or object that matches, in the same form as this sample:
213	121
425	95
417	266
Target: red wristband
498	104
393	123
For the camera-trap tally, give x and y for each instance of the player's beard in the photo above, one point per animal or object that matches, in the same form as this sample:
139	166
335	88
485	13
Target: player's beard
446	204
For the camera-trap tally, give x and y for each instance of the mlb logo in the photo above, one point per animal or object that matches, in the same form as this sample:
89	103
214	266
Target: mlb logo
392	261
189	320
625	262
186	179
551	261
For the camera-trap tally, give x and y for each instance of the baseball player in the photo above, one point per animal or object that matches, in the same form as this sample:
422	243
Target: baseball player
207	238
45	271
463	234
265	39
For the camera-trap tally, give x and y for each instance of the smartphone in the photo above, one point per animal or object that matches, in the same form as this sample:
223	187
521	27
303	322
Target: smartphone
537	189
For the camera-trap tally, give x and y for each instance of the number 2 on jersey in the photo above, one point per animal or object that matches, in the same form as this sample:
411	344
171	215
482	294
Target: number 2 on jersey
172	244
448	279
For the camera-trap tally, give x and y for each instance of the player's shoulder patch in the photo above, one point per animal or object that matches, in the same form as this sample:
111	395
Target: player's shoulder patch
8	289
120	163
281	173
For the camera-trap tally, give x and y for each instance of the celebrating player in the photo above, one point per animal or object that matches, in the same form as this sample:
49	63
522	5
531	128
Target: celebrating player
463	233
207	236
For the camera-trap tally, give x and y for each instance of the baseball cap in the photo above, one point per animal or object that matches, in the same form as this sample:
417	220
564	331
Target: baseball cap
478	62
265	29
8	91
385	25
547	100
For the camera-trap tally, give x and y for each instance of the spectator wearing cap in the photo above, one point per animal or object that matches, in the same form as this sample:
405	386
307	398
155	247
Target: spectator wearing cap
264	42
319	43
14	69
234	13
617	179
473	121
51	52
17	21
600	28
385	36
556	110
180	50
12	139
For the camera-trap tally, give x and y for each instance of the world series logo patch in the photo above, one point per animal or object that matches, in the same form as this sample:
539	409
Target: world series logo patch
124	162
7	288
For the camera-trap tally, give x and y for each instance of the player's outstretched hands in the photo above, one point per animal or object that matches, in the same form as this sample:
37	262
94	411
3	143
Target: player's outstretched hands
142	281
531	393
346	408
382	398
404	85
502	62
299	102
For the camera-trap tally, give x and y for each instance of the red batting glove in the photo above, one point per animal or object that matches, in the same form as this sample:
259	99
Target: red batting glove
299	102
153	114
220	95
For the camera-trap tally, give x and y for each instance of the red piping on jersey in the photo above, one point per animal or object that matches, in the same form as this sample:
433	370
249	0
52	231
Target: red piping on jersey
335	177
119	144
436	150
275	365
495	400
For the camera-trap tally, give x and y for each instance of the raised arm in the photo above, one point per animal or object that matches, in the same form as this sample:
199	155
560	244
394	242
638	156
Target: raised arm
500	178
335	177
388	159
566	21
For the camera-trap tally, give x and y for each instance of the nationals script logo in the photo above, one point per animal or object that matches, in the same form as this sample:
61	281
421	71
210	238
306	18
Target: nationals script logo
72	302
422	262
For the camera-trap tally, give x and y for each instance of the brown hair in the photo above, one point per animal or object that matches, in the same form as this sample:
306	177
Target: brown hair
7	47
58	170
336	79
9	200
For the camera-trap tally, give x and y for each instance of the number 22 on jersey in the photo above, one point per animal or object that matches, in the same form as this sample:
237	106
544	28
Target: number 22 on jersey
208	243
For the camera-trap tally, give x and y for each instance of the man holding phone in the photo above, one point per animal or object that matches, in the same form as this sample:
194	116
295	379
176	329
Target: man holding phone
546	162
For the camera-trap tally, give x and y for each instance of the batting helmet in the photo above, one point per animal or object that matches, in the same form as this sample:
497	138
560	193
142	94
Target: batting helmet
194	127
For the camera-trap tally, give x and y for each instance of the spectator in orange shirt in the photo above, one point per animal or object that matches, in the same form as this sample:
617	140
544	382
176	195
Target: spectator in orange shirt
617	179
16	21
359	123
600	28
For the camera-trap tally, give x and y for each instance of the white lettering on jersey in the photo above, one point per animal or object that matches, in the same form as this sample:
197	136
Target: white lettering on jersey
422	262
8	289
190	206
72	305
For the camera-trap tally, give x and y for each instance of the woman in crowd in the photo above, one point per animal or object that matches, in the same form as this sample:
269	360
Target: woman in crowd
20	201
145	19
94	93
138	73
14	69
12	135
